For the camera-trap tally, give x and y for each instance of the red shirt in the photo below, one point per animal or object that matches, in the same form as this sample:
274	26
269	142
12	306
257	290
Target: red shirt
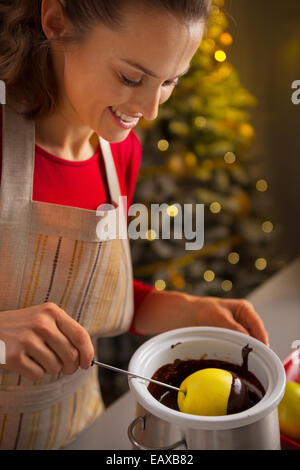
83	184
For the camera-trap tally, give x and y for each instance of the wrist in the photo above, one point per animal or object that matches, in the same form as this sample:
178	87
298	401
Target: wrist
164	310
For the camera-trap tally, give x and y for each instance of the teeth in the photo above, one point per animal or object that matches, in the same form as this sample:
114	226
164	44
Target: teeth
123	116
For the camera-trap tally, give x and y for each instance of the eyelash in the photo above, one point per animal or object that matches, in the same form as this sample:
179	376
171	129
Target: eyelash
130	83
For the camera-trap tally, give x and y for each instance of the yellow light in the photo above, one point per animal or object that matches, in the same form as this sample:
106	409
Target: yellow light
215	207
230	158
160	284
220	56
261	185
247	131
172	211
190	159
176	164
226	39
261	264
267	226
209	276
233	258
200	122
151	235
226	285
163	145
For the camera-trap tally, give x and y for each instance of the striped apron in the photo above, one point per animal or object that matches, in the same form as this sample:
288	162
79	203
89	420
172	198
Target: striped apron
54	253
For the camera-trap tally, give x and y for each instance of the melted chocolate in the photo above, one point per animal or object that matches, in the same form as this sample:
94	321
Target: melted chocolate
246	389
239	398
245	353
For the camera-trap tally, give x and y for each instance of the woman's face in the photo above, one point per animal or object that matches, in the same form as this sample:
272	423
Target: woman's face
98	74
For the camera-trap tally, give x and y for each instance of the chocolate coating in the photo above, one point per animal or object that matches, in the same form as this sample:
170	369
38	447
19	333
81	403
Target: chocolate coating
238	399
246	389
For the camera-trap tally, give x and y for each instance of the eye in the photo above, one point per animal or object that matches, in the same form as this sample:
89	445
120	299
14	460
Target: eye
131	83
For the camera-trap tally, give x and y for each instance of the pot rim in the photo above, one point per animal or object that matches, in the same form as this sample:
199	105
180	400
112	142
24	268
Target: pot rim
273	368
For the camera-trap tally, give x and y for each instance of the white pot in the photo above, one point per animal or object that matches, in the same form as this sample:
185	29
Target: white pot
256	427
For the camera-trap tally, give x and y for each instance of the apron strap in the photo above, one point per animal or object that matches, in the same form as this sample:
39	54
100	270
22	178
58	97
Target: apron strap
114	185
18	140
111	173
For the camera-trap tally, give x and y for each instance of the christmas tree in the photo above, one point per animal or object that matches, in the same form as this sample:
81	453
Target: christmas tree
195	152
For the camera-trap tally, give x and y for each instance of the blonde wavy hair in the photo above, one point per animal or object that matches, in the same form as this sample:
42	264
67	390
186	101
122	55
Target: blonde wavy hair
26	65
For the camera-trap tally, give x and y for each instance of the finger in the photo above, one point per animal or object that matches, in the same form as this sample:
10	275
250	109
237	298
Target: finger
44	356
227	321
64	349
78	336
47	329
28	368
244	312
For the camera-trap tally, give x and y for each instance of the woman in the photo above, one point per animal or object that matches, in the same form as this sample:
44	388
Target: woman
79	75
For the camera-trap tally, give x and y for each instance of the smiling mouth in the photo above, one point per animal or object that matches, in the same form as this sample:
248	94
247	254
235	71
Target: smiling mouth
123	116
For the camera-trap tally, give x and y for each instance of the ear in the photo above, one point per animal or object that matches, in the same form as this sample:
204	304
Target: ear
52	18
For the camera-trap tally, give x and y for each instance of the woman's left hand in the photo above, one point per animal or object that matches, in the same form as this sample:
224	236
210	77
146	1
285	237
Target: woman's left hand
167	310
235	314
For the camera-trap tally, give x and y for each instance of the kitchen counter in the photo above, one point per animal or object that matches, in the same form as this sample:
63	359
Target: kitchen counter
278	303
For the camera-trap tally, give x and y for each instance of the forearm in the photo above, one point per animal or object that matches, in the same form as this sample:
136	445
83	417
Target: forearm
162	311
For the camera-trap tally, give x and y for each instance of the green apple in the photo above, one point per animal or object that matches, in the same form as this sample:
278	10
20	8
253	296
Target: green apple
289	411
206	392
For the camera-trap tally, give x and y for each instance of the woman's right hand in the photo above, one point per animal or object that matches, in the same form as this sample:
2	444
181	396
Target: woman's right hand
44	339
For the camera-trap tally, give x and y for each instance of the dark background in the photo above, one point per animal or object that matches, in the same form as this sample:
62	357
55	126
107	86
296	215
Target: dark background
266	53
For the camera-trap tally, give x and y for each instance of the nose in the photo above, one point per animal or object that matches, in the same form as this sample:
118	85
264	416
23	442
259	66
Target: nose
148	105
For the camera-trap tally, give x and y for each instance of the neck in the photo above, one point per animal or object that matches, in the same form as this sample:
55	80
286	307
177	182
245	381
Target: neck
66	138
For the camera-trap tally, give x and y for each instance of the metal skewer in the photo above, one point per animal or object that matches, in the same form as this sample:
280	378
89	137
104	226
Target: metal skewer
130	374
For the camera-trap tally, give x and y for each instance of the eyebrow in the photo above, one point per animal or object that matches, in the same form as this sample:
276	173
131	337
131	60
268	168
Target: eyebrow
148	72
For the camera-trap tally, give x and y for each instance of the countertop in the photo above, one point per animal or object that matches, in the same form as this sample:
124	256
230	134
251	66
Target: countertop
278	303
